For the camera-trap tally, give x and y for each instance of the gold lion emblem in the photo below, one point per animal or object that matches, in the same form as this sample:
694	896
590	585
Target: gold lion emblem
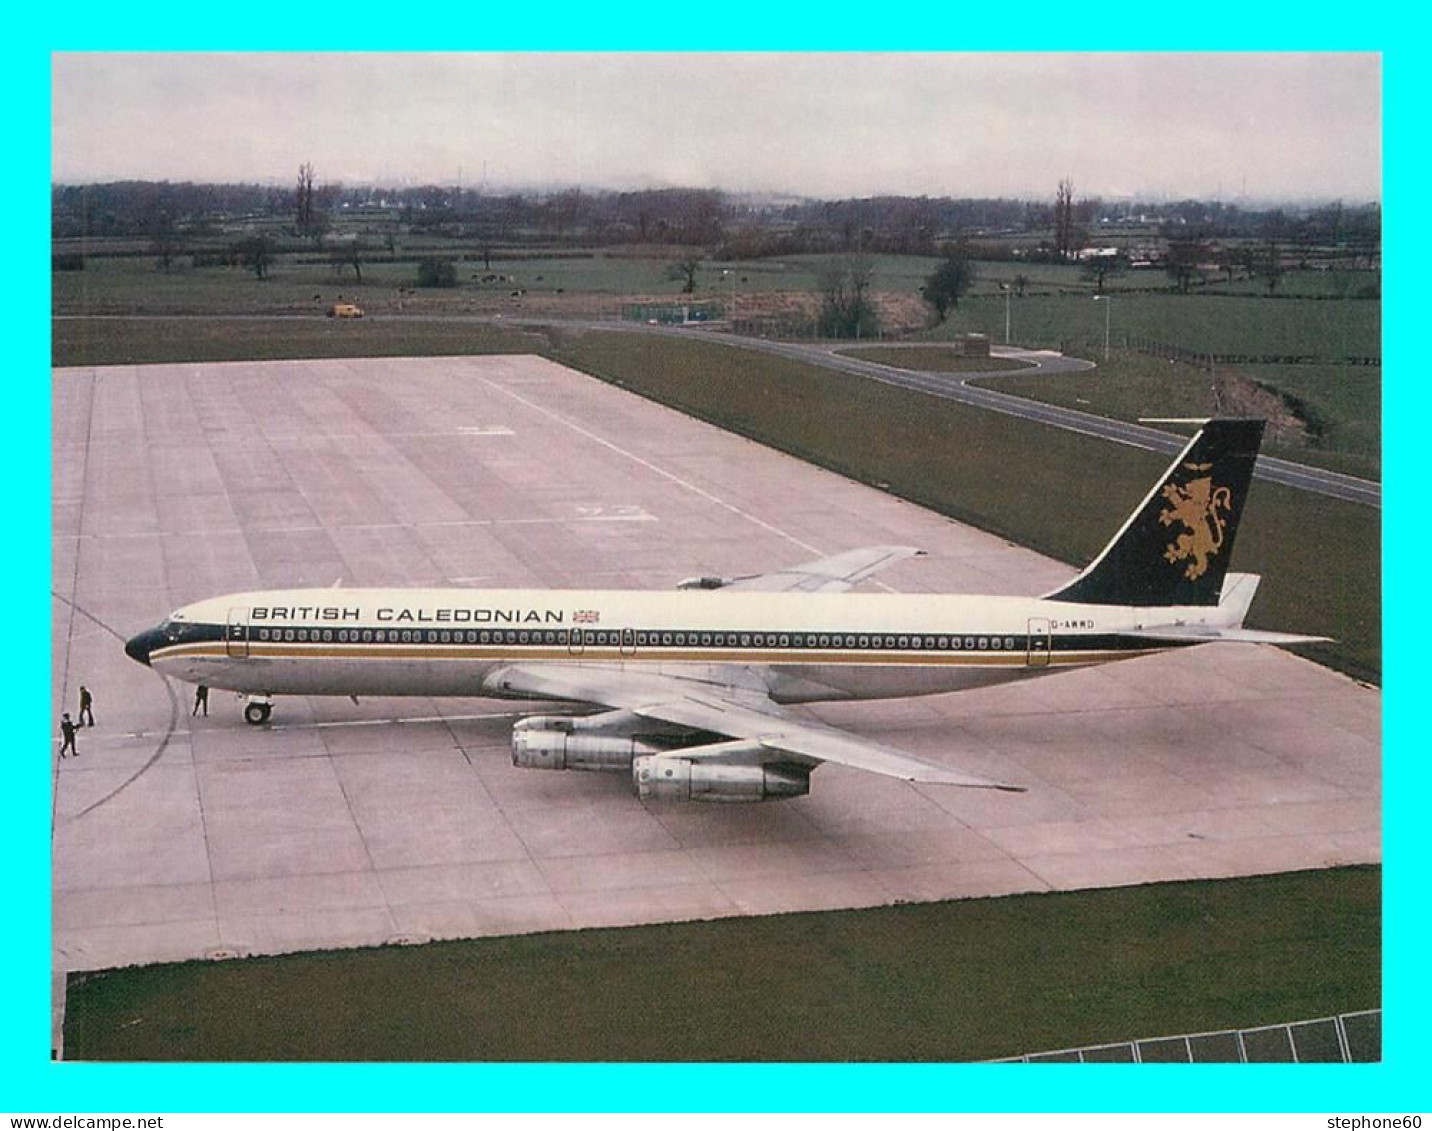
1201	509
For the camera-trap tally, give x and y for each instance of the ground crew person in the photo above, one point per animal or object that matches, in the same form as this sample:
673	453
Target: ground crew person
67	729
86	707
201	699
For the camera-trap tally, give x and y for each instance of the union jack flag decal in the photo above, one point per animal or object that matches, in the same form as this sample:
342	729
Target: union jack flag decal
586	616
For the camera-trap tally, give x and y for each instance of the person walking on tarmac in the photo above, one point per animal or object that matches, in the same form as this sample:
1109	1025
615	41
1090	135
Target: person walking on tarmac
201	699
86	707
67	728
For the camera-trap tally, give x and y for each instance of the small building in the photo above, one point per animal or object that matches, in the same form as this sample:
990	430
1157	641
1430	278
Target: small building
972	345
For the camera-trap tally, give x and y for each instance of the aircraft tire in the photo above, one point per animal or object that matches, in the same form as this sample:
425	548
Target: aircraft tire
256	714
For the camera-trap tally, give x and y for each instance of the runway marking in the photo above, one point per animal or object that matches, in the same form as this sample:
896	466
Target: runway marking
619	514
670	476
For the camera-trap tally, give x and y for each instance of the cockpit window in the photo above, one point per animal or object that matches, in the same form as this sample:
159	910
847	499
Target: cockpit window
176	632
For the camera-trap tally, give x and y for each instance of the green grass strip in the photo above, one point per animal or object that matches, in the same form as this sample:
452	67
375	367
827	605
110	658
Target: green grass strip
956	981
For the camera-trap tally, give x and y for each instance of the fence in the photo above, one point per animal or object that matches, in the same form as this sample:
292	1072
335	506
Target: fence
1349	1038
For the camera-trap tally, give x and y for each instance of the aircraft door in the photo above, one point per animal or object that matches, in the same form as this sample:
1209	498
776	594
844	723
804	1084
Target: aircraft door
628	642
575	642
236	639
1040	644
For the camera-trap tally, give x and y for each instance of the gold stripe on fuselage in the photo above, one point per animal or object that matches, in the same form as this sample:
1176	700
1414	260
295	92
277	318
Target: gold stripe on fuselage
1013	657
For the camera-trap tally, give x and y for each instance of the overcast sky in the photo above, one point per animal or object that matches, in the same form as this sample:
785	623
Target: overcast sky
1232	126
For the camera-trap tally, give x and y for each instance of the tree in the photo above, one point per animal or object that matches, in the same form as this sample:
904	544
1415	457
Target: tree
303	209
434	272
350	255
256	253
1099	268
684	271
1185	256
846	310
948	282
311	206
1267	266
1064	220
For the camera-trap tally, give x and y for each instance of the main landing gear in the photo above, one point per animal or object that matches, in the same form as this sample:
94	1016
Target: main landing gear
257	710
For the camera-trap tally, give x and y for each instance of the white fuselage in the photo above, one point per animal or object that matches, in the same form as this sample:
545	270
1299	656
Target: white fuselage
798	647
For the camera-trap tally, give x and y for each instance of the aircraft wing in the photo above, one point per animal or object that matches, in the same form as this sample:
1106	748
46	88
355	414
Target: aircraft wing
1210	633
730	710
833	574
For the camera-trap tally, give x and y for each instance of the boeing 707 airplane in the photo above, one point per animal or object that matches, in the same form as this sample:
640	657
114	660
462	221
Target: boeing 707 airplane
693	684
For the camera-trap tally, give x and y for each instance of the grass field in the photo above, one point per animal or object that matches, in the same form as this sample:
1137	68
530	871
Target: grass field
156	341
1347	401
964	980
1242	324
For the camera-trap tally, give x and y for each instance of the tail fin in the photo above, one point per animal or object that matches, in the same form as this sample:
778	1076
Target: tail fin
1175	548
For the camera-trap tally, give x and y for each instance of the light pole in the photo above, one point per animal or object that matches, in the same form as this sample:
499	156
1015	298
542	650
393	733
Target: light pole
1005	288
731	317
1107	307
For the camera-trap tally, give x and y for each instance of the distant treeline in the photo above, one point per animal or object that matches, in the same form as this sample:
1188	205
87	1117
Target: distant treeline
723	224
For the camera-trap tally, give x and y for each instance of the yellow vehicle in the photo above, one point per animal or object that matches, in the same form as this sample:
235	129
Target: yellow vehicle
345	310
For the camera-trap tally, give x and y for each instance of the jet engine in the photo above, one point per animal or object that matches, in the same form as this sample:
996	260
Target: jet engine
654	752
607	741
670	777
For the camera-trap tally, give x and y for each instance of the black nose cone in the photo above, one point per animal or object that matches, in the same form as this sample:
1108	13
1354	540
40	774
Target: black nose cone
138	647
